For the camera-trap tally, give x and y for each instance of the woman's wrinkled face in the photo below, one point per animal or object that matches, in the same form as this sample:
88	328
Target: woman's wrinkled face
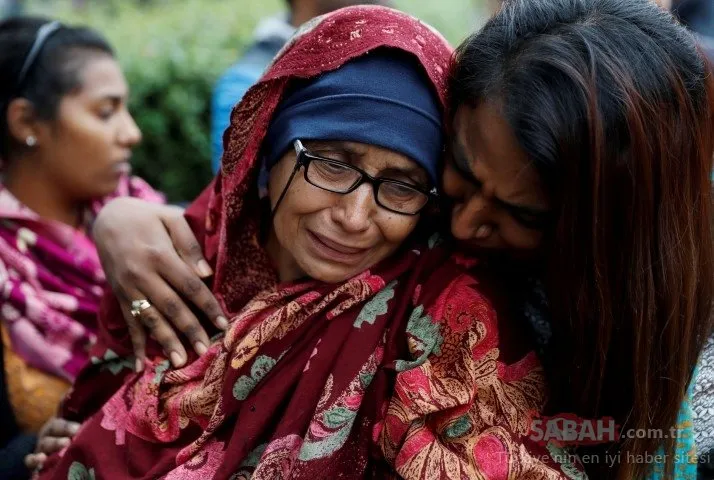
87	147
499	201
333	237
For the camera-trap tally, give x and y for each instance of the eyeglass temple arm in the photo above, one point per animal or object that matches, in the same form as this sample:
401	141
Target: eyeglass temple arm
299	148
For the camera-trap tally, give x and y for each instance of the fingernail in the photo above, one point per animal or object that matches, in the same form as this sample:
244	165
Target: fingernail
222	322
200	348
64	441
176	359
204	269
139	365
73	428
483	231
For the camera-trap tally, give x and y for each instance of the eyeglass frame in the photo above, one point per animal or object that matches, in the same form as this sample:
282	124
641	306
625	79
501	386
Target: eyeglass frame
304	157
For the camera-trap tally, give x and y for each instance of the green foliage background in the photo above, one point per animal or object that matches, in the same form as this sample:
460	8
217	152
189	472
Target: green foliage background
172	52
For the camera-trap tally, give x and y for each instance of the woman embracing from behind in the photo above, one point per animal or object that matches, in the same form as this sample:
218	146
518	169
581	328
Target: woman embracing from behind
611	103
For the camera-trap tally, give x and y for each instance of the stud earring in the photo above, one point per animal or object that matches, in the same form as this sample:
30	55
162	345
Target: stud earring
484	231
31	141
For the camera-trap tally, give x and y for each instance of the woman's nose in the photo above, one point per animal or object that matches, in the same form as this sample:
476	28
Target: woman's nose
470	219
354	210
129	134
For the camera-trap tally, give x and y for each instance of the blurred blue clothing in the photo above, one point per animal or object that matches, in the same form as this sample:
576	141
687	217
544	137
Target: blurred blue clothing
269	37
707	44
697	15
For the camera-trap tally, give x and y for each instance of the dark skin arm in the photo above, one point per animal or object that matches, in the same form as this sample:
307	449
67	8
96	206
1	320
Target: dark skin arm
148	251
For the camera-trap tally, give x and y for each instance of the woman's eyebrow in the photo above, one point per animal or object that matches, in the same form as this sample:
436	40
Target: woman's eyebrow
111	93
524	209
341	147
462	162
113	99
415	173
354	154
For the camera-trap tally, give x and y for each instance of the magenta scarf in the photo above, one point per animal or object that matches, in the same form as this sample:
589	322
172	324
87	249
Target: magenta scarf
52	282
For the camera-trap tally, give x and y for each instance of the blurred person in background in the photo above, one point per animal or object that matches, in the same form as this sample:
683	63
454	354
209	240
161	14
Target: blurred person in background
10	8
65	142
269	37
698	15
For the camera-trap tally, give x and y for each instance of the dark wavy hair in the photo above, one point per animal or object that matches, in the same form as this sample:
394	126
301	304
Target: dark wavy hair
613	103
53	74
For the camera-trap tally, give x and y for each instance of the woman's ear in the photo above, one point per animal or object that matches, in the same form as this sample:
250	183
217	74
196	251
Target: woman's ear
22	122
263	180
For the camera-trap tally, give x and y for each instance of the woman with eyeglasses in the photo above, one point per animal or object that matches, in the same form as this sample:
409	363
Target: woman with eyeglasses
65	143
581	154
358	347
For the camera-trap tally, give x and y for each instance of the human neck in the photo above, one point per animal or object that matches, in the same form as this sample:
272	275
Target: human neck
39	193
288	270
302	11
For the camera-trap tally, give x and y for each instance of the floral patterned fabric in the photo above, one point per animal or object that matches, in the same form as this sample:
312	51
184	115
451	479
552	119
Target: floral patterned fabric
404	371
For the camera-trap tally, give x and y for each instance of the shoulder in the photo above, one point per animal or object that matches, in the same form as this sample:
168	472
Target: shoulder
458	302
460	394
456	333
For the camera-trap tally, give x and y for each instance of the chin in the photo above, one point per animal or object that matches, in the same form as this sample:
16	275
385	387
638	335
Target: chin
330	274
503	254
105	188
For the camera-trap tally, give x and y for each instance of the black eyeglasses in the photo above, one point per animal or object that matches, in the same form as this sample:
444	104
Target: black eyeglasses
44	32
343	178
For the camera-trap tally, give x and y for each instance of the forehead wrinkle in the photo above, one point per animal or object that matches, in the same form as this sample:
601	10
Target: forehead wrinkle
380	159
522	172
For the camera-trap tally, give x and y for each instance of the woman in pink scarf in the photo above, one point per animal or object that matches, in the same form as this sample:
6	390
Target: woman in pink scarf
65	142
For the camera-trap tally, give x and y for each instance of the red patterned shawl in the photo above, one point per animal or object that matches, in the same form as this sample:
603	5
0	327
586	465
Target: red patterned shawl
400	371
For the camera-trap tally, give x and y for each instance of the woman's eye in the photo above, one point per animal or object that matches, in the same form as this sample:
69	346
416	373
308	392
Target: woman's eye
106	113
530	220
331	170
400	190
333	167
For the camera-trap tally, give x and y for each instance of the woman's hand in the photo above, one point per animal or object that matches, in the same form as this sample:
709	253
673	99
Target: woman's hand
55	435
148	251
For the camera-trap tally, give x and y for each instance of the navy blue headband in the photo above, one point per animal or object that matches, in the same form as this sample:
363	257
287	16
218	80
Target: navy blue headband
43	34
383	99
